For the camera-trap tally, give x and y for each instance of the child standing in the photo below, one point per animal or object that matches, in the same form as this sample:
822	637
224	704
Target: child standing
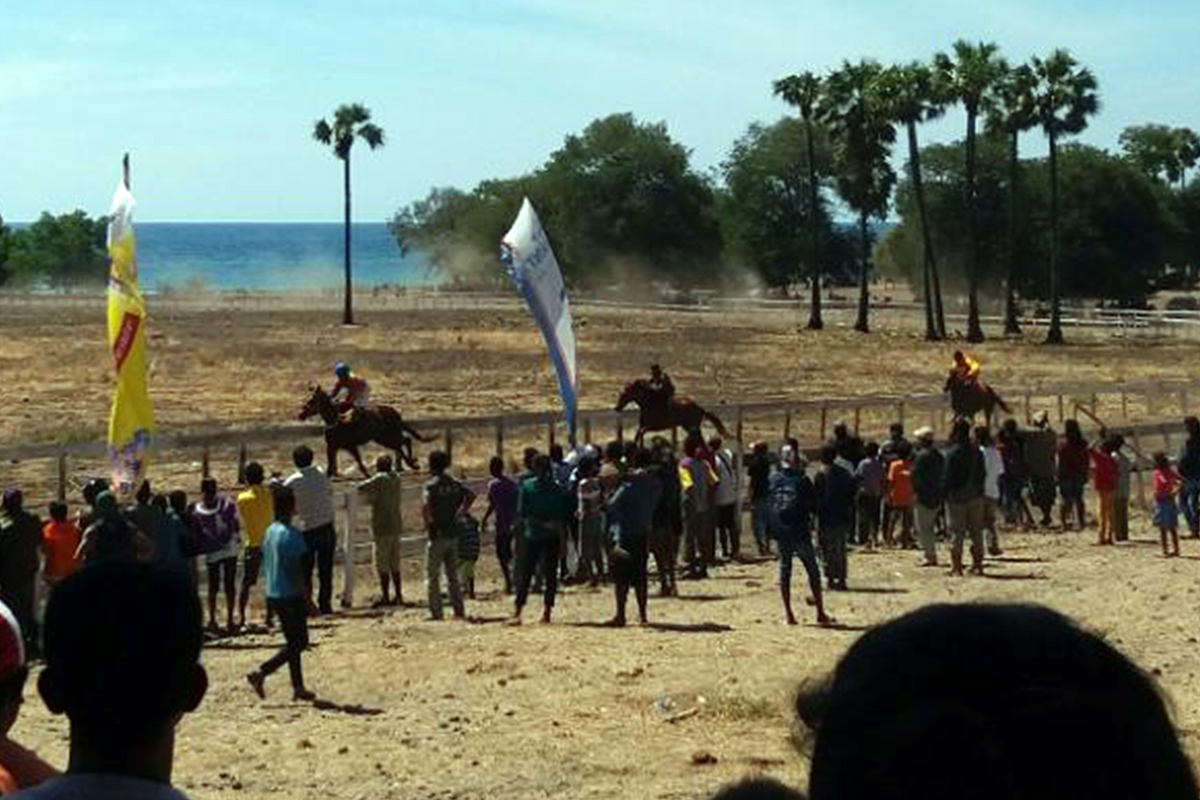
1166	513
1104	476
590	512
60	541
468	554
900	494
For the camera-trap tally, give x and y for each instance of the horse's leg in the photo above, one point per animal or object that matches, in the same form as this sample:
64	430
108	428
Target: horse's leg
331	454
358	460
405	453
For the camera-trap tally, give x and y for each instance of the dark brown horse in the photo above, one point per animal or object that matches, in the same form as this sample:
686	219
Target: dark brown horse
680	412
380	424
969	399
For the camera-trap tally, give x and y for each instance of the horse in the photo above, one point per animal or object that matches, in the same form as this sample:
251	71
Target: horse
969	399
380	424
680	412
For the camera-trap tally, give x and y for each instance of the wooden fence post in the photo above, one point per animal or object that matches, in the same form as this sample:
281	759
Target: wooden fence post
587	430
1061	415
900	412
550	434
204	471
1183	402
348	536
1124	406
62	476
1028	409
448	443
1141	481
241	463
739	427
824	421
500	440
857	419
787	425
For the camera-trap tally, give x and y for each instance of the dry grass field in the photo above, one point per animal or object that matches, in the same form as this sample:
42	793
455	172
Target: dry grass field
412	709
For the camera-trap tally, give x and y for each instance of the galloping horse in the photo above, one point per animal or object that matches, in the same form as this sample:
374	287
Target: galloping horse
380	424
681	412
969	399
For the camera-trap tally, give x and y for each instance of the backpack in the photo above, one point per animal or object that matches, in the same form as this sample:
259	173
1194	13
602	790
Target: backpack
786	515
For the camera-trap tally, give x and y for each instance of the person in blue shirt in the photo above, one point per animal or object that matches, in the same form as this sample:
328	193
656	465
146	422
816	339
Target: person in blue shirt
282	564
792	501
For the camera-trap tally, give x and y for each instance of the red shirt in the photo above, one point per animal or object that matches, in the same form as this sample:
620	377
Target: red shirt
60	540
1166	484
1104	471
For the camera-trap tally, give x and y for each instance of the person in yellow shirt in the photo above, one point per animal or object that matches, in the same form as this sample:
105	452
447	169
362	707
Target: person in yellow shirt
966	368
256	508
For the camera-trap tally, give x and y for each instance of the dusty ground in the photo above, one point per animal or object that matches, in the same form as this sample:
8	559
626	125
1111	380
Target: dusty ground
472	711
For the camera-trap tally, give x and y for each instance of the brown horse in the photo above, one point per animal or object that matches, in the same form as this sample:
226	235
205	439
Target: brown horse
380	424
969	399
680	412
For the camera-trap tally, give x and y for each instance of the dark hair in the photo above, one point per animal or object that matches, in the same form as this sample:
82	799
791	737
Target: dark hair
383	464
159	501
614	451
144	492
527	458
541	466
871	449
904	450
642	458
178	501
556	452
1027	697
302	456
714	443
1074	434
122	649
896	429
58	511
93	489
1191	425
983	435
496	467
757	789
828	454
208	486
285	502
13	501
439	461
255	474
1161	461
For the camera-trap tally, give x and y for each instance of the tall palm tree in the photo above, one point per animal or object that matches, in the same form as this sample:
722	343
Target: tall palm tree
863	136
912	97
803	91
1011	115
970	76
1064	98
351	122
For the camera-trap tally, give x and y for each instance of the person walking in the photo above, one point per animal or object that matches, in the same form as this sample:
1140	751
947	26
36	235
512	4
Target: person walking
962	483
590	515
446	502
382	492
836	493
314	506
543	507
927	488
793	501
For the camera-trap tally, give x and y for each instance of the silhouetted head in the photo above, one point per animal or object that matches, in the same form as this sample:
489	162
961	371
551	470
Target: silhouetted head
439	462
302	456
13	502
383	464
58	511
542	466
757	789
1028	700
496	467
284	500
144	493
255	474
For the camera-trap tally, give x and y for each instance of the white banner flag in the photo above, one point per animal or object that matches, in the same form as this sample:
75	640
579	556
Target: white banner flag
531	264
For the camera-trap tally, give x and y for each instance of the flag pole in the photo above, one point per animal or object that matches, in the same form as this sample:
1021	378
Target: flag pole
125	165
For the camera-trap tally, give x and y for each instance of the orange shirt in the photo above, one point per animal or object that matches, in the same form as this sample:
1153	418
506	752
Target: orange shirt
21	768
60	540
900	485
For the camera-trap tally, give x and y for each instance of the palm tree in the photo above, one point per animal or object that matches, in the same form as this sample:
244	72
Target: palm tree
1064	98
804	92
863	136
1011	115
912	97
350	123
970	77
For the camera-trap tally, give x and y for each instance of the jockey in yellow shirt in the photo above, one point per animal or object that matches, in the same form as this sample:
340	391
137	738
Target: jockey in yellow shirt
965	368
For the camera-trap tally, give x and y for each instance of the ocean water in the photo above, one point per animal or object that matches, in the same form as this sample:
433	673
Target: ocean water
270	256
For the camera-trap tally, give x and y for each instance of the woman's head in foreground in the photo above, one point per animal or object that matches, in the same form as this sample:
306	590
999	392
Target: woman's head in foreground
991	702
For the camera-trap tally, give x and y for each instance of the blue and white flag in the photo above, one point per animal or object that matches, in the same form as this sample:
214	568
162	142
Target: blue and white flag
530	262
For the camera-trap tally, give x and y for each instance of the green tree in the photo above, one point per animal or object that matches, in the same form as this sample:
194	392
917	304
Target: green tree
60	251
351	123
863	136
766	210
1010	115
1161	151
970	77
1065	98
5	244
803	92
913	98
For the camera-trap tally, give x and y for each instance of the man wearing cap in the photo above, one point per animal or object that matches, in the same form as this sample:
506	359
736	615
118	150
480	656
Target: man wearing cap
1041	443
19	768
927	485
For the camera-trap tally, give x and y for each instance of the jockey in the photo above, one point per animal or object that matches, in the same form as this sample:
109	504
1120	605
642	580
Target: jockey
660	382
965	368
351	392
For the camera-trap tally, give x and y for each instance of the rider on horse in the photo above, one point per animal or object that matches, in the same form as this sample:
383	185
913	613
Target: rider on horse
660	383
966	369
351	393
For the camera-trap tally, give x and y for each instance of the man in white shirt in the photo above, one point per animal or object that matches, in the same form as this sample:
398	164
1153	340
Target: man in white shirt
993	464
726	499
122	650
314	505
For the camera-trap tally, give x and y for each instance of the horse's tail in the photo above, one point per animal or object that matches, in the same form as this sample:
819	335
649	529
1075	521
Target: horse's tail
716	422
412	433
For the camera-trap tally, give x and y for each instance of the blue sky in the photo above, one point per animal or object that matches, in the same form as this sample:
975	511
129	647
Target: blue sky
215	99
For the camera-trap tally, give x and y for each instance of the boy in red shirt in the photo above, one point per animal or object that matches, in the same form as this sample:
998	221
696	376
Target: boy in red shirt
60	542
1104	476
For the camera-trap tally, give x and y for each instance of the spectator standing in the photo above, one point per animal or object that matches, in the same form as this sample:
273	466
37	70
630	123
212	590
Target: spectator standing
962	484
181	541
216	521
668	517
1188	466
758	470
19	768
1122	494
993	475
543	508
1013	481
793	503
900	496
502	510
60	542
468	554
124	711
1073	462
889	452
111	536
631	514
147	516
1106	474
1041	443
314	506
927	488
836	494
446	501
726	499
284	548
256	511
20	547
382	492
1166	512
872	476
697	483
590	514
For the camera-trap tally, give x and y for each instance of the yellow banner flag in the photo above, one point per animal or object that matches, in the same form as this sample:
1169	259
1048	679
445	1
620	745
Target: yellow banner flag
132	419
